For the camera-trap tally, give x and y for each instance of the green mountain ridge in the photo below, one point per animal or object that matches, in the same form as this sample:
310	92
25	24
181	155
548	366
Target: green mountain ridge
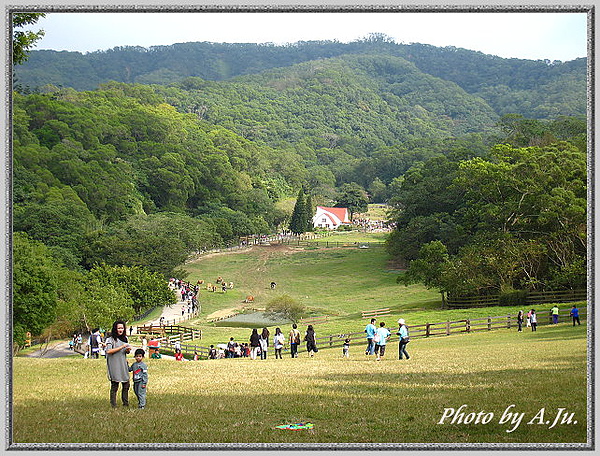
508	85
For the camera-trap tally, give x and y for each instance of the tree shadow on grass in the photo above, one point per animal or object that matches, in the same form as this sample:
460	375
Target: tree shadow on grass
390	408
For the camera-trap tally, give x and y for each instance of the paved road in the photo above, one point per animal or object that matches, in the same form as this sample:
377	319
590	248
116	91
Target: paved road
55	350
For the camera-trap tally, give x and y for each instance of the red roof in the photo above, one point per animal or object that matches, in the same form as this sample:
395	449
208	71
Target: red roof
339	212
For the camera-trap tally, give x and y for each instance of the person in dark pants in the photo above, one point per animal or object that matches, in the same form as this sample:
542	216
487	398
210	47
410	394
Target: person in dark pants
370	331
520	320
294	340
575	315
311	341
403	333
555	311
533	318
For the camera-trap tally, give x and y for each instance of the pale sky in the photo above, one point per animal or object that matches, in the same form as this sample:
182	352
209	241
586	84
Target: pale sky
527	35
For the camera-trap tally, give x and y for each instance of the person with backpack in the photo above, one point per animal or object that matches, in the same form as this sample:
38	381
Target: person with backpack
294	340
404	339
95	342
231	346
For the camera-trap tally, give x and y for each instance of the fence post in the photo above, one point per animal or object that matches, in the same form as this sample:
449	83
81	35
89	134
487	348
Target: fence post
427	330
489	323
331	341
468	325
508	322
447	328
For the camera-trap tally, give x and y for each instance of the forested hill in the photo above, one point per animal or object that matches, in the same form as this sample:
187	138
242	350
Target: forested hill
336	102
537	89
146	156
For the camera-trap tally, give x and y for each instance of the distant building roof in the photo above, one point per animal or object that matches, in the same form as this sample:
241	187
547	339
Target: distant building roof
340	212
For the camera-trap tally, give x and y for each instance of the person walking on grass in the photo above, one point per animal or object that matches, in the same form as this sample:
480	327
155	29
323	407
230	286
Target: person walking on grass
95	343
404	340
264	343
575	315
520	320
311	341
370	330
554	312
533	319
140	377
294	340
346	349
254	343
381	337
278	342
117	347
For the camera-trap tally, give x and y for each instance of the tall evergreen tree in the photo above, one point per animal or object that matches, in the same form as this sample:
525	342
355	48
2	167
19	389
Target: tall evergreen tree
309	211
298	221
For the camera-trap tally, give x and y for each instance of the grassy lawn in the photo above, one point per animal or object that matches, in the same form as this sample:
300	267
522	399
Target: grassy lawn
338	282
355	400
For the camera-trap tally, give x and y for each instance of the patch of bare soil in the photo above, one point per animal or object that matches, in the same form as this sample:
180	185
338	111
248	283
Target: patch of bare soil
224	312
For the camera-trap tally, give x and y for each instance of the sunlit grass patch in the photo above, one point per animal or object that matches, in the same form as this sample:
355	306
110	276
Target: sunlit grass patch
348	400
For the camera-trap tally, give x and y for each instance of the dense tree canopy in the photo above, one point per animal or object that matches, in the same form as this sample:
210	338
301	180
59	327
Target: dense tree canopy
538	89
115	188
514	219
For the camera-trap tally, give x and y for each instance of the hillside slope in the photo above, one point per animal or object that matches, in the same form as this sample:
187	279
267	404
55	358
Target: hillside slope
508	85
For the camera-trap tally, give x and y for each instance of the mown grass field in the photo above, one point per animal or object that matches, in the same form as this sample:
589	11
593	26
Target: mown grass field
338	282
355	400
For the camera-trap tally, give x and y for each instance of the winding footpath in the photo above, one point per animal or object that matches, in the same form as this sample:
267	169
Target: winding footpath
59	349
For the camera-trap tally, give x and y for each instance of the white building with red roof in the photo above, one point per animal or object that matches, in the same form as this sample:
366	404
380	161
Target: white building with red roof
330	217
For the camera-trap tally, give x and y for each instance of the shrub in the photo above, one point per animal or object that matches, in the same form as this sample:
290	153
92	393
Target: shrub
287	307
513	298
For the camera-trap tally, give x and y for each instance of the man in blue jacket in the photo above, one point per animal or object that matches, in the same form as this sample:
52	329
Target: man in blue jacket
370	330
575	315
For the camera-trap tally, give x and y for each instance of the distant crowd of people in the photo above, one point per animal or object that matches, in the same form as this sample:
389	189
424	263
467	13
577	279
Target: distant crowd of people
373	225
531	320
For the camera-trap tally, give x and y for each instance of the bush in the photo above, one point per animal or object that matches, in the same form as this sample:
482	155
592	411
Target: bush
513	298
345	228
287	307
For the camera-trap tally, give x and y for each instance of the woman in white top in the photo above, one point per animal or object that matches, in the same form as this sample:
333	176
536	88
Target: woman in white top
278	342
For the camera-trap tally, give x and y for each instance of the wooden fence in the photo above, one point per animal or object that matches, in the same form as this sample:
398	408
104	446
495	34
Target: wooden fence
375	313
328	243
168	343
447	328
530	299
176	331
314	320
